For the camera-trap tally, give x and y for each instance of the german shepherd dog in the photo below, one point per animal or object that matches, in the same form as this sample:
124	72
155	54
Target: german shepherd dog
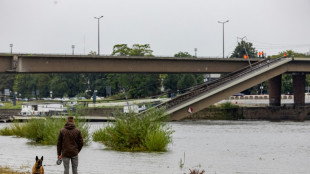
37	167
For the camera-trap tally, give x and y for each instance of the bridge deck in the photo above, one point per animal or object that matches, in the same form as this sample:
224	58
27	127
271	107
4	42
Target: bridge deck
116	64
206	94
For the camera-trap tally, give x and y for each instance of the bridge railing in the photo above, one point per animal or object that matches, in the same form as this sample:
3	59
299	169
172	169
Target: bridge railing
209	86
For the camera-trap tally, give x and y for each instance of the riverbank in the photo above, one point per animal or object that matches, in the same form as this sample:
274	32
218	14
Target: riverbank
233	112
7	170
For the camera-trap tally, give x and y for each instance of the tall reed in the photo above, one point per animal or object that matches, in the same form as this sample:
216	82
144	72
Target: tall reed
131	132
45	130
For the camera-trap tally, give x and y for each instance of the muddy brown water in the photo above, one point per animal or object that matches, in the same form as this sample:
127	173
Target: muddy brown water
221	147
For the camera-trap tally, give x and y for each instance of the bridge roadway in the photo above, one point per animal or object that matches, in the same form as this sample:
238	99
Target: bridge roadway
209	93
39	63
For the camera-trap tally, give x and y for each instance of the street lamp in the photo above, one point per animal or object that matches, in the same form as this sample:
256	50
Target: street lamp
94	96
98	18
261	89
11	45
223	34
73	46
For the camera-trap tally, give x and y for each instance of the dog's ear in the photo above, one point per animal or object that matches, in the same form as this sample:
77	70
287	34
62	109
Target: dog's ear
42	158
37	158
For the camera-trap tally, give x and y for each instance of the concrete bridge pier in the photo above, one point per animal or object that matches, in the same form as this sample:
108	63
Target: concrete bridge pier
274	88
299	83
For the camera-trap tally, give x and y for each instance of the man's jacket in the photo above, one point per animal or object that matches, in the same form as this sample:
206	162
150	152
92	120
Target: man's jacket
70	141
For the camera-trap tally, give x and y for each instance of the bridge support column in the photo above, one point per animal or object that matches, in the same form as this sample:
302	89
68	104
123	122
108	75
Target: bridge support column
299	83
274	89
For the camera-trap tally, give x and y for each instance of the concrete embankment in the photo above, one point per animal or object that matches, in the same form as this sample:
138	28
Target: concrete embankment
255	113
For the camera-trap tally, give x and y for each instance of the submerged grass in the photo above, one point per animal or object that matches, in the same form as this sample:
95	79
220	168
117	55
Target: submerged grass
7	170
133	132
44	131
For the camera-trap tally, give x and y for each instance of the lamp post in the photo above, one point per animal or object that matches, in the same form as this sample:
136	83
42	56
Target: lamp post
11	45
94	96
261	89
73	46
14	98
223	35
195	49
98	18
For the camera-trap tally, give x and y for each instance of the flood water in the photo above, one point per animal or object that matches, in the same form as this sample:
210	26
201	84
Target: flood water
221	147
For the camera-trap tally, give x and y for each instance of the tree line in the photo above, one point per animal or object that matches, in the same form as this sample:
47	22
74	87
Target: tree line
133	85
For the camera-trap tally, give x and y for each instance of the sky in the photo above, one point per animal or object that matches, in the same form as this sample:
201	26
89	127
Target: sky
169	26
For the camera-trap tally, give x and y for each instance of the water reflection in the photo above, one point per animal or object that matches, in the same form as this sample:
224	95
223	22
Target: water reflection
217	146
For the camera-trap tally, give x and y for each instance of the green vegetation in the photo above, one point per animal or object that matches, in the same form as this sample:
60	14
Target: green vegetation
183	54
178	83
240	51
226	111
7	81
43	131
290	53
136	133
10	105
125	84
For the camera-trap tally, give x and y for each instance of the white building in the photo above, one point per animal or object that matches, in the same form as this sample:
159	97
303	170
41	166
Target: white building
134	108
40	109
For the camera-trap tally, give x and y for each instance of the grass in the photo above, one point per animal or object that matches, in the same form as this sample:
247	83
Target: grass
45	131
7	170
9	105
229	111
133	132
196	171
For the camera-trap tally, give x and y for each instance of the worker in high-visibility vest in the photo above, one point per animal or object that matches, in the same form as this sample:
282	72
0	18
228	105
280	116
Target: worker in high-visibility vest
245	56
259	54
263	56
284	55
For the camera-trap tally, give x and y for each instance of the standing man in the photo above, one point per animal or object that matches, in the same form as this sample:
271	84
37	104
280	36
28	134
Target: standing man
70	143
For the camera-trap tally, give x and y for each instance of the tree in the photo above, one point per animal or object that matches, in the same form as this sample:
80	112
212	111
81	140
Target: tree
170	82
287	81
61	84
240	51
136	50
180	82
6	81
186	81
136	85
290	53
121	50
183	54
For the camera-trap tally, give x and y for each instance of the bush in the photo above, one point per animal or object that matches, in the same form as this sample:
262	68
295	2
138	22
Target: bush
230	111
44	131
133	132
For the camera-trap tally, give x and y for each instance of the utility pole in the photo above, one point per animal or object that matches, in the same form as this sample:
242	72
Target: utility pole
223	36
98	18
11	45
195	52
73	46
246	52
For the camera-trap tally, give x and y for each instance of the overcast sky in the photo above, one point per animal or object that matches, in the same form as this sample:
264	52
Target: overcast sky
169	26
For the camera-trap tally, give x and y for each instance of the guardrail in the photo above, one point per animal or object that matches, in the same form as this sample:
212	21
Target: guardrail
208	86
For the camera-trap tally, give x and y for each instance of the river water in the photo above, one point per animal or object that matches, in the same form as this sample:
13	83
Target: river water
221	147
